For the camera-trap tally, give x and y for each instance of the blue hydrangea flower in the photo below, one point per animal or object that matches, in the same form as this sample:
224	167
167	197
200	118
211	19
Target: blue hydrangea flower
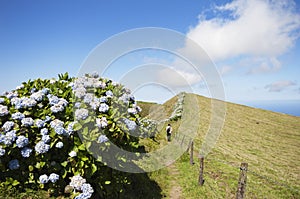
45	91
95	105
77	104
11	95
3	110
8	125
47	119
81	114
2	138
17	116
27	121
59	145
41	147
77	181
2	151
87	188
102	85
53	177
57	108
70	127
131	125
44	179
124	98
25	152
102	139
60	130
63	102
38	96
44	131
22	141
103	108
46	138
40	123
56	123
13	164
88	98
101	123
10	137
132	111
32	90
103	99
109	93
53	99
83	196
80	92
28	102
17	102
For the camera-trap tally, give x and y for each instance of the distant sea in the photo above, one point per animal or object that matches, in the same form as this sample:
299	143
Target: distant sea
291	107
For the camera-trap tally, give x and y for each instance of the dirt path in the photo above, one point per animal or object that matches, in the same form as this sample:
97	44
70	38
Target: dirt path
175	192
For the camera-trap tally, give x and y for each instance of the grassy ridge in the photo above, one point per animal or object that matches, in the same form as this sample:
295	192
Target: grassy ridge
269	142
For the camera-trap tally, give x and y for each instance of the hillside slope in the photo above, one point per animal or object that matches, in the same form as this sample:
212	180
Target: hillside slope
269	142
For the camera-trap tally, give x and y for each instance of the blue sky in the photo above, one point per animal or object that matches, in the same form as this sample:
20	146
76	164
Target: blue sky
254	44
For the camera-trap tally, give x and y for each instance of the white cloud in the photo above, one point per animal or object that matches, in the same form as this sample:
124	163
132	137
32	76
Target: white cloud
259	28
279	86
265	65
254	31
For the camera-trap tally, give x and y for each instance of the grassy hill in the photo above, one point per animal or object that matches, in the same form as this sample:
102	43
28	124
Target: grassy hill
269	142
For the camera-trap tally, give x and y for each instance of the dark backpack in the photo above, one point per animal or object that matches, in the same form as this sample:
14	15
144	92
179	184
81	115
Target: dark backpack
168	130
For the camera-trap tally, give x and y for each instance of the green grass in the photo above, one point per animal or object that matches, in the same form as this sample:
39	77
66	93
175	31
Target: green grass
269	142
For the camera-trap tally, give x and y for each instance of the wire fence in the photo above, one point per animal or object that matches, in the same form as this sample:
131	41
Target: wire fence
266	181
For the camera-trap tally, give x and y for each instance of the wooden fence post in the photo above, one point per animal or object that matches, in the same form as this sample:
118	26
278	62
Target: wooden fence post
192	153
241	190
182	140
201	180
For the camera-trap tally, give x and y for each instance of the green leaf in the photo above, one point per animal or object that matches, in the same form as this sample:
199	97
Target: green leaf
64	164
107	182
30	168
85	131
77	126
15	183
81	147
94	168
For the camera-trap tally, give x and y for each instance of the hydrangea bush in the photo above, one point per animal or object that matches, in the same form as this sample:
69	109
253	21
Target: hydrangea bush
53	134
178	108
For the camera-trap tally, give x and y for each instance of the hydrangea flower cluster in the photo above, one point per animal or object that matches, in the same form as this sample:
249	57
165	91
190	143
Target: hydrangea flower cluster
22	141
41	120
2	151
57	104
53	177
79	184
131	125
13	164
81	114
102	139
178	108
101	122
3	110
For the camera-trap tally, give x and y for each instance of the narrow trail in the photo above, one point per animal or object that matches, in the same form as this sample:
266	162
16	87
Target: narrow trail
176	191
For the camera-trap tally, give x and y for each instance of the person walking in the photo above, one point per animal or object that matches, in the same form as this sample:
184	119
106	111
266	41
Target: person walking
169	132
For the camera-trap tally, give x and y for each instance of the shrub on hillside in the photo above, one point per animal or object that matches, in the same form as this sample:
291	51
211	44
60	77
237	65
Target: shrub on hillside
54	135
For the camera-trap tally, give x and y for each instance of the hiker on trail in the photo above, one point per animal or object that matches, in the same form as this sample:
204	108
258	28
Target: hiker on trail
169	132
